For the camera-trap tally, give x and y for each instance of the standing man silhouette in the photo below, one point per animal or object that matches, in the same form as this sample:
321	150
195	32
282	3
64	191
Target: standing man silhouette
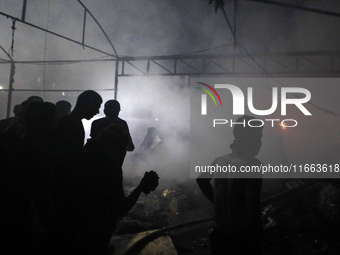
236	196
70	129
111	110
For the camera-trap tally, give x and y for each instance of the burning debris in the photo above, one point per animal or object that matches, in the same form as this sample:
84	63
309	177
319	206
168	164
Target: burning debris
164	207
167	193
303	222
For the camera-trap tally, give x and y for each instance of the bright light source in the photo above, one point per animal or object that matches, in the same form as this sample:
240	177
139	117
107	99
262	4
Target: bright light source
63	93
156	119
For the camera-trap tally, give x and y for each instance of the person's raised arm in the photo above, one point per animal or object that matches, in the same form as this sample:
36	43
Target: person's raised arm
148	183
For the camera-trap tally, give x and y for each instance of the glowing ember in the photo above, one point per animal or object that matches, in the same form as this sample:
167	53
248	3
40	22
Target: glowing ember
167	192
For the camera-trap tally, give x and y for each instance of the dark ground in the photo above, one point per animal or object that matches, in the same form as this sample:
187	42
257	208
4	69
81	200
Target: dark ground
307	222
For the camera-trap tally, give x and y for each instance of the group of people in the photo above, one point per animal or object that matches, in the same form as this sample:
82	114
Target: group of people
58	196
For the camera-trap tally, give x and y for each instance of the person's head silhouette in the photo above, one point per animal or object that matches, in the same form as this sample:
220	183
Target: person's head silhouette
88	104
247	143
63	108
41	119
112	109
35	99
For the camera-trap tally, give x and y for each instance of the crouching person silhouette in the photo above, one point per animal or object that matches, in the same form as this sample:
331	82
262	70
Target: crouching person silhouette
98	200
236	196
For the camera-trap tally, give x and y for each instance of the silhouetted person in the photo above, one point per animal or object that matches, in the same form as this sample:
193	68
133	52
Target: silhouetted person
151	140
63	108
97	200
236	197
17	110
35	99
38	151
17	127
71	133
6	124
111	110
25	180
151	145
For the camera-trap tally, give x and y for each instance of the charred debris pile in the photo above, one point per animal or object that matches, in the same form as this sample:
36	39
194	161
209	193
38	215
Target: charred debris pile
299	216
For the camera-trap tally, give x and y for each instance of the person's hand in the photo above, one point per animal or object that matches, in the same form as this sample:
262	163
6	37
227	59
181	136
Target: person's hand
149	182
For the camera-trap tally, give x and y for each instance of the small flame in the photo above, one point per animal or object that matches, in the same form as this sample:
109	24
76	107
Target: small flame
167	192
283	125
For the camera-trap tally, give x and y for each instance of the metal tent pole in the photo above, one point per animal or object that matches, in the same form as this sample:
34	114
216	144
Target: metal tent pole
10	89
116	79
